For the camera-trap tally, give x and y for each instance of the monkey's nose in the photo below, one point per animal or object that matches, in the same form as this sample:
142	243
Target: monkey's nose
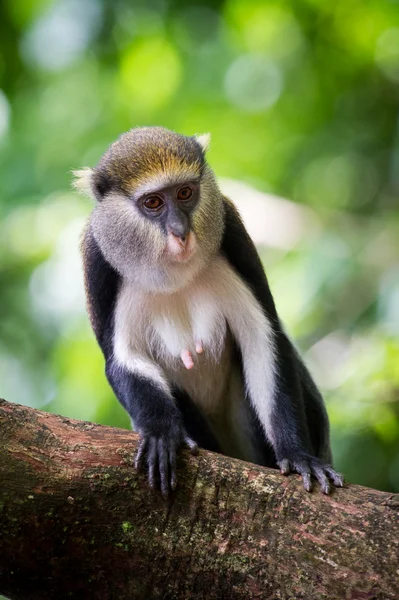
180	239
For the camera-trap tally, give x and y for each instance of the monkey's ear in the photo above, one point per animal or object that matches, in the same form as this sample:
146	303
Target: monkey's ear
204	141
83	181
92	183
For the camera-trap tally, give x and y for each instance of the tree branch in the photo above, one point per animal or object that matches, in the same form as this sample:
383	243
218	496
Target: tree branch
76	521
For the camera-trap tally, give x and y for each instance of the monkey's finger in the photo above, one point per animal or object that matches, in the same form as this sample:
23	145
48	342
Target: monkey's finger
172	467
152	461
322	479
337	478
303	469
307	481
191	444
141	450
187	359
285	466
163	468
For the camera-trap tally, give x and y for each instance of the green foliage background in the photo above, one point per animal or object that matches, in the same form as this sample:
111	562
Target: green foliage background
301	97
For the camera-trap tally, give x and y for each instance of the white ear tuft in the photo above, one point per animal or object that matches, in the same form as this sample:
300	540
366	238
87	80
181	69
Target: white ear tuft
204	141
83	179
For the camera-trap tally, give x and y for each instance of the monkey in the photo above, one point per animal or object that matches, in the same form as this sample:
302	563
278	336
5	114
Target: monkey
181	308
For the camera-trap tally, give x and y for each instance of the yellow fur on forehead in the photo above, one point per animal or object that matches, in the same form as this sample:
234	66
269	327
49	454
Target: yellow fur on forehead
157	179
167	169
144	154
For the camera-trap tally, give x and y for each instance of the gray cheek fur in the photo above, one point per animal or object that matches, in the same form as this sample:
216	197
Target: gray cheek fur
126	240
208	217
136	247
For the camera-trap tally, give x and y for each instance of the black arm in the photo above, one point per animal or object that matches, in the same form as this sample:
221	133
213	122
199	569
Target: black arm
152	409
101	285
289	419
157	418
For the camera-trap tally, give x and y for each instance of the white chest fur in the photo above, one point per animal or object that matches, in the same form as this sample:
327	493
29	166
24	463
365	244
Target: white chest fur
151	331
161	326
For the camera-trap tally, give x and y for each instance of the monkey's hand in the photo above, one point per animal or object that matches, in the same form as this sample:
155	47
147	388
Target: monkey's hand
157	454
308	466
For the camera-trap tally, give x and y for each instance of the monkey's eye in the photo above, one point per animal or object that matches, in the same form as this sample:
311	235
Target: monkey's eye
184	193
153	202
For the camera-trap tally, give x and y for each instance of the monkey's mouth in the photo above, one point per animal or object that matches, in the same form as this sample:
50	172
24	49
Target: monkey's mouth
179	250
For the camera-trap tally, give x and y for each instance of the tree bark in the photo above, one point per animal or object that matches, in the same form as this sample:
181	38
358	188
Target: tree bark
77	521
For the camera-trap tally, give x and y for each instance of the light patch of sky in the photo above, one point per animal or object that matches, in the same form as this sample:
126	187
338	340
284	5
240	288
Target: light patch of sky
20	385
5	113
61	35
270	220
328	359
56	285
388	304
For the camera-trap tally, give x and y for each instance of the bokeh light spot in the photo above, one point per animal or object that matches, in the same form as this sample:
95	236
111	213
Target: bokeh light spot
387	53
266	27
151	73
58	37
337	181
253	83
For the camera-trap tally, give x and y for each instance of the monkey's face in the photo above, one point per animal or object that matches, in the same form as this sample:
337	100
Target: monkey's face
159	215
172	209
